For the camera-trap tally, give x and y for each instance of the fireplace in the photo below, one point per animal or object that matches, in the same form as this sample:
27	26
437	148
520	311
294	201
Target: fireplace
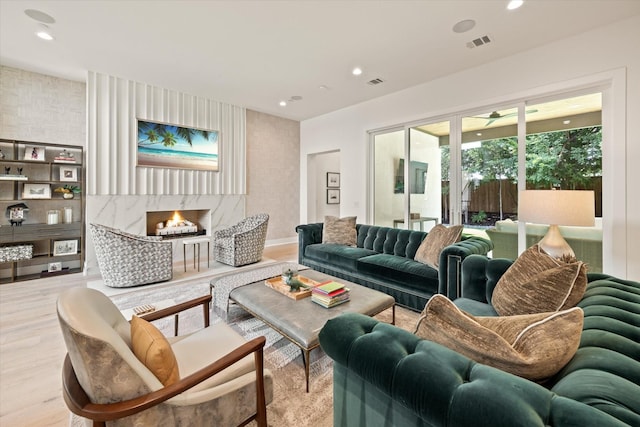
178	223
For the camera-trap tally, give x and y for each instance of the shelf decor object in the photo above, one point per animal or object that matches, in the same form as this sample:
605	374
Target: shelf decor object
36	191
170	146
68	173
34	153
16	253
16	213
65	247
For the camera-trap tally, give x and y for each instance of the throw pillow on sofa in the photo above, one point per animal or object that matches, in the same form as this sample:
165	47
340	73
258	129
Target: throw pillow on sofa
341	231
533	346
438	238
537	282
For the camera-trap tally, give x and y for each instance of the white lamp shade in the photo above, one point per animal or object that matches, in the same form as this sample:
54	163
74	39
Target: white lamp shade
557	207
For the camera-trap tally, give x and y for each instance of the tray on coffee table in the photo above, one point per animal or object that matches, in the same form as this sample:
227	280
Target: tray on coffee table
277	284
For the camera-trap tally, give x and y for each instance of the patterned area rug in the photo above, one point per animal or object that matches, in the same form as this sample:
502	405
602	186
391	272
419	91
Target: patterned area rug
291	406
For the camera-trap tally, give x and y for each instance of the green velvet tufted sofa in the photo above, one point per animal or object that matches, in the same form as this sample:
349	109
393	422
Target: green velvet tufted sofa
383	260
386	376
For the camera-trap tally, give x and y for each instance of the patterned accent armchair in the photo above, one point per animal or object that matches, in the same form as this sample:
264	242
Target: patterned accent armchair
222	377
127	260
243	243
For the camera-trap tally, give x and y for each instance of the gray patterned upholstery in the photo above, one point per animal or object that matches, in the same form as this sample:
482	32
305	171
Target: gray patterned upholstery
127	260
243	243
98	340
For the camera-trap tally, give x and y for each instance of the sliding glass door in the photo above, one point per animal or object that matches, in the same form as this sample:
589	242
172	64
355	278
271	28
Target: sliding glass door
466	169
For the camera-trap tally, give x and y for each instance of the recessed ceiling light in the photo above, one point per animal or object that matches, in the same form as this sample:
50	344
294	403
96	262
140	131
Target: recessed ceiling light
514	4
283	103
479	134
323	87
464	26
357	71
566	122
44	32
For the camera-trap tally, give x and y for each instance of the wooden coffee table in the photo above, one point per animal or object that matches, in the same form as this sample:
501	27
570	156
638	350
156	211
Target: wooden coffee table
300	321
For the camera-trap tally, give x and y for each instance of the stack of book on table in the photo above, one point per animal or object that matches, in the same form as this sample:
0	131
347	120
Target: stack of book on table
329	294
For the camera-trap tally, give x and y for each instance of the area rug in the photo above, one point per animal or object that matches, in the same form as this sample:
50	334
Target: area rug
291	405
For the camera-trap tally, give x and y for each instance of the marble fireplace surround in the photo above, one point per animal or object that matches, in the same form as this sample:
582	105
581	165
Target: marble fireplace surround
129	213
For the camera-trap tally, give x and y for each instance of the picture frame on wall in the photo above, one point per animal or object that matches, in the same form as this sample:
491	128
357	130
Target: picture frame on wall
34	152
333	196
333	180
65	247
36	191
68	173
166	145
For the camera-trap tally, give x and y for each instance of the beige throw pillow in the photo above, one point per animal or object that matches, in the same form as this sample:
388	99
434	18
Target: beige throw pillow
537	282
341	231
533	346
436	240
153	349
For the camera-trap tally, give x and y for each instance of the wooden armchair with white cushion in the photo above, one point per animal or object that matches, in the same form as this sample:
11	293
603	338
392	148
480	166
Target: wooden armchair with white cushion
114	372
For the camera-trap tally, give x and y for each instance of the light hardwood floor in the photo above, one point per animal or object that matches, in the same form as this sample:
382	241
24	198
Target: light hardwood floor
32	348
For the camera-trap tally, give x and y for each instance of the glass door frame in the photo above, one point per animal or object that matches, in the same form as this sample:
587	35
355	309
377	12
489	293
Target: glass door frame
612	85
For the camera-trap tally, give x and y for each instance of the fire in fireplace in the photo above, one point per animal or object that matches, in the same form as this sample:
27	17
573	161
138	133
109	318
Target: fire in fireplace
176	226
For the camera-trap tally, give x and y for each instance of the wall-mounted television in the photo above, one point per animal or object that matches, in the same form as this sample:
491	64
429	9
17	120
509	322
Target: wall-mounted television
417	177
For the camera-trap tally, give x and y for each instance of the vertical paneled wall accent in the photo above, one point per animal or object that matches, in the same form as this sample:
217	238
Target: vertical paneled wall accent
115	104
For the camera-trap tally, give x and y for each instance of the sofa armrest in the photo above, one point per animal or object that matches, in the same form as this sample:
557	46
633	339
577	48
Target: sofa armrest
451	257
308	234
480	276
437	385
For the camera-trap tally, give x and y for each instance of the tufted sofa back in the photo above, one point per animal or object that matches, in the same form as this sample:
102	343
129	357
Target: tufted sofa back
391	241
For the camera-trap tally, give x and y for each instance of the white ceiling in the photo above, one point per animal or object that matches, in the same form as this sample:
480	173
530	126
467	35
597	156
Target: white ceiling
257	53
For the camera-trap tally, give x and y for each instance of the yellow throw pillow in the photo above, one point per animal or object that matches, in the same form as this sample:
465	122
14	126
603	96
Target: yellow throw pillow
153	349
532	346
537	282
436	240
341	231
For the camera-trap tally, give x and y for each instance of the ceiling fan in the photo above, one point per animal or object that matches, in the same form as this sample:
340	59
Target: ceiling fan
496	115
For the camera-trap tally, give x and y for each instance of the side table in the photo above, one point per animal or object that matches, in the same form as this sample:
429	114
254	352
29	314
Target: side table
196	255
159	305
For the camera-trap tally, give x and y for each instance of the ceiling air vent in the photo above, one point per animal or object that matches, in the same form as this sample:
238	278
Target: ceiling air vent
480	41
375	82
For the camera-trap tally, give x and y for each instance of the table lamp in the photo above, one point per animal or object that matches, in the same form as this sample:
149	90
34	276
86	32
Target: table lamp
557	207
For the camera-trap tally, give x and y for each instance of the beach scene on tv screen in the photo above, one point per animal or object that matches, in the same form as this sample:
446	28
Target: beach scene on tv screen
172	146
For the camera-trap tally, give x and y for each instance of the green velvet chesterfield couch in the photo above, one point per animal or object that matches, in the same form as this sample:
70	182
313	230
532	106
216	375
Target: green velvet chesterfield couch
386	376
383	259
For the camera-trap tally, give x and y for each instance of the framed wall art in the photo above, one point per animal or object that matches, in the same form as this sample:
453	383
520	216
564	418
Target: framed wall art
34	152
65	247
333	180
36	191
171	146
68	173
333	196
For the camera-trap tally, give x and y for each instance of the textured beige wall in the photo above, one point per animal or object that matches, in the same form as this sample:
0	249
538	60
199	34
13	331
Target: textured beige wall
273	173
40	108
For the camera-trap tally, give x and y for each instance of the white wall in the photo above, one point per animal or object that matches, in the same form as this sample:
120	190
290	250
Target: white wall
552	68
